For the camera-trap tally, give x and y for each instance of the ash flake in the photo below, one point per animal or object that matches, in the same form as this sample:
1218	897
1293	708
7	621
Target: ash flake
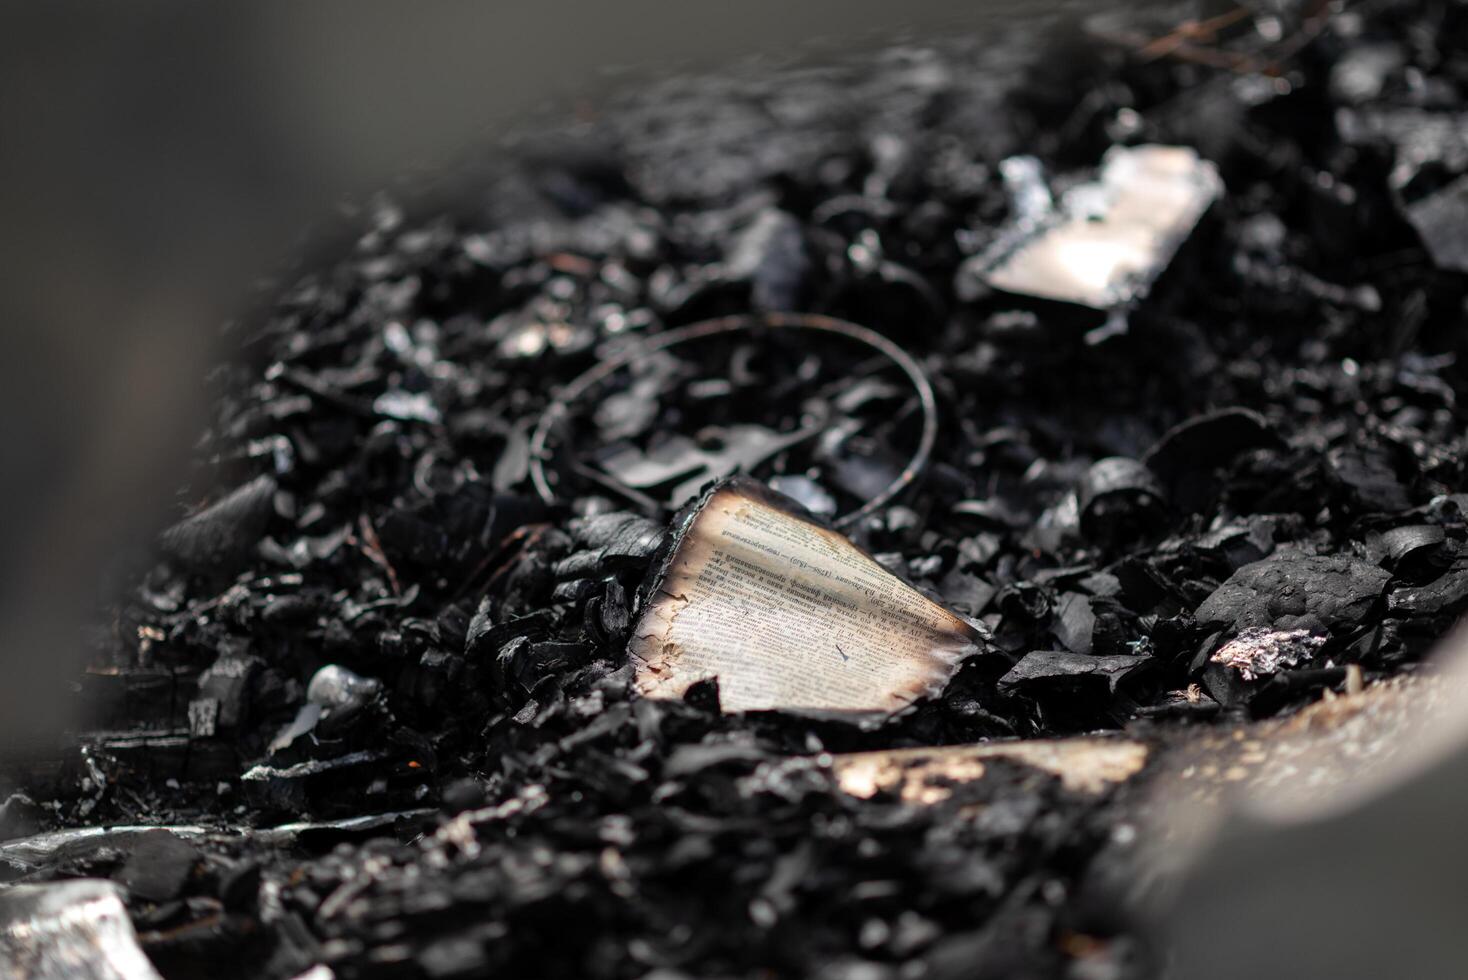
1258	651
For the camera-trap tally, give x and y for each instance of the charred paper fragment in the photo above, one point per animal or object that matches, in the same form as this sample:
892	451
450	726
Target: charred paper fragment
788	614
927	775
1257	651
68	930
1109	240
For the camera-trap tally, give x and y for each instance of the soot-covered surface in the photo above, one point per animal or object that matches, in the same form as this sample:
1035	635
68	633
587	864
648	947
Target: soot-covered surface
1265	455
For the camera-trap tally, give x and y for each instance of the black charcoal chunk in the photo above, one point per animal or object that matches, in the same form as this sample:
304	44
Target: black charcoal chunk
486	637
224	533
19	816
157	866
1238	543
1188	455
1075	621
1368	479
1317	593
1441	219
224	694
1225	685
615	612
968	594
617	535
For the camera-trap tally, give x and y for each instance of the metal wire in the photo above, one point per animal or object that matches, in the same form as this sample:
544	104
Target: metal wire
559	408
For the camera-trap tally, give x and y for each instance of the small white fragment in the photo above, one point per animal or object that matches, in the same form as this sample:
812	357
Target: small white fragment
1106	241
334	687
1258	651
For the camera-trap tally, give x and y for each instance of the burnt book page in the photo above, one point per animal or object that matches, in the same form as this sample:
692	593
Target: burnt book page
788	614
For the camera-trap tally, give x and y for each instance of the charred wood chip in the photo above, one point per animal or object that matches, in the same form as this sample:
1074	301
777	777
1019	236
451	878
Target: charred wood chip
1191	702
1062	668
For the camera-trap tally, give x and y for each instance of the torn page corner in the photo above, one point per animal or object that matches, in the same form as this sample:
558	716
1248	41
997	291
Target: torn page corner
789	614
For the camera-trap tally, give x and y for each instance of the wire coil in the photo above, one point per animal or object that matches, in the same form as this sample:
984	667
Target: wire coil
559	408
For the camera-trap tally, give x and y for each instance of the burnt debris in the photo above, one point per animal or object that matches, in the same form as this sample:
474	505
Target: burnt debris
379	685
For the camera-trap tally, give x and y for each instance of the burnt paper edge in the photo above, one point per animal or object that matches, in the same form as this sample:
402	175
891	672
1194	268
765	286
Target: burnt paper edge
757	490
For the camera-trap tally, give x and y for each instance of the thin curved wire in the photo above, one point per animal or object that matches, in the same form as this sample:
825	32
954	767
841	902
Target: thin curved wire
560	406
